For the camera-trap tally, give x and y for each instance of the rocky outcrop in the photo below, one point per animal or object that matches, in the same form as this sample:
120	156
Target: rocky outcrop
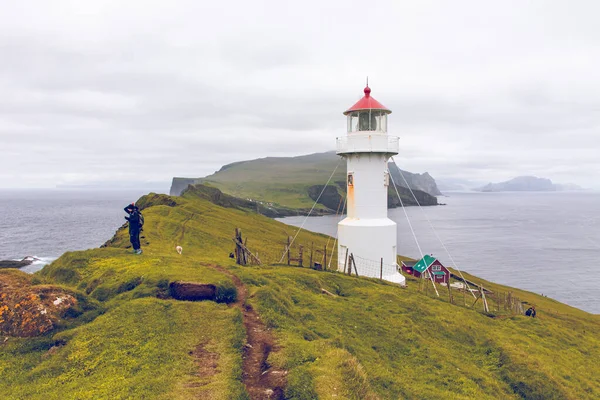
155	199
424	199
17	263
180	184
28	308
423	182
330	198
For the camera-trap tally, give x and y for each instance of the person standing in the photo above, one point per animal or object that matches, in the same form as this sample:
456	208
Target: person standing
135	220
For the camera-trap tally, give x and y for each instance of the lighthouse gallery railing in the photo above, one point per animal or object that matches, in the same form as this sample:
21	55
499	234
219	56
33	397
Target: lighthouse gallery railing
367	143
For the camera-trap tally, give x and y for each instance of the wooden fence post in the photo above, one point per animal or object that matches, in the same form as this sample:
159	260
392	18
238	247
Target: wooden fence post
355	270
301	253
485	304
240	255
350	261
311	254
325	258
288	250
345	260
381	270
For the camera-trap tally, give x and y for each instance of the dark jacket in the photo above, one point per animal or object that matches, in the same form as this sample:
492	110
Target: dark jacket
133	218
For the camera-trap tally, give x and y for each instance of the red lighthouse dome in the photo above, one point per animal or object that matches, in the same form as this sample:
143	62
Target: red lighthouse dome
367	103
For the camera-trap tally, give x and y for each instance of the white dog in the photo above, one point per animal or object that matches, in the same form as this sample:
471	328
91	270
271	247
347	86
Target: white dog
179	249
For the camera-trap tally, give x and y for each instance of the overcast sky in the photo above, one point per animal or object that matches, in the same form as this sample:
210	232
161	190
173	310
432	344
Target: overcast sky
120	91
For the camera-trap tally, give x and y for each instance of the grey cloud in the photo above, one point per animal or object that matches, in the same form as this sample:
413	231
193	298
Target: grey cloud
112	91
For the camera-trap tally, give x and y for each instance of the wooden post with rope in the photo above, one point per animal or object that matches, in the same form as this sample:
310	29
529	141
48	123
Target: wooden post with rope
345	260
476	299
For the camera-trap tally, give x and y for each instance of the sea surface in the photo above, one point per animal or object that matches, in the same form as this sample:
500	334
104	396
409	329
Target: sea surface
47	223
544	242
547	243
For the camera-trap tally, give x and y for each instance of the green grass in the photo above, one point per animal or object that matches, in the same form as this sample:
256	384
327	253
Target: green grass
139	345
373	340
136	350
378	341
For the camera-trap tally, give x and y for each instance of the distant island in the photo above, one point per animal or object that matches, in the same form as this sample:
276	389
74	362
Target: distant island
528	184
458	184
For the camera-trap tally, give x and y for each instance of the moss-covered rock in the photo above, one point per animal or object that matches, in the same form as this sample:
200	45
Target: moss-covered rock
29	309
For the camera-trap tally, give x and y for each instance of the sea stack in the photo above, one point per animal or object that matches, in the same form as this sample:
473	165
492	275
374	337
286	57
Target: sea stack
367	233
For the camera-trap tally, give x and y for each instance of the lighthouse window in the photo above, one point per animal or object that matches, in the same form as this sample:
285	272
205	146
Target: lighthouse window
382	122
350	179
367	121
386	178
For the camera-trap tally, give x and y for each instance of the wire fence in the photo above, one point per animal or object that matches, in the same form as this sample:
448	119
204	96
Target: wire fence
375	269
457	290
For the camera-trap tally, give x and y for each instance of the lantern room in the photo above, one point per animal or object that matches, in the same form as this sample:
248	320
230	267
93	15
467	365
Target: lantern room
367	115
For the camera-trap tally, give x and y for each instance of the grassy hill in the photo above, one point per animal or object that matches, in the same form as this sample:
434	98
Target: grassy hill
367	340
295	182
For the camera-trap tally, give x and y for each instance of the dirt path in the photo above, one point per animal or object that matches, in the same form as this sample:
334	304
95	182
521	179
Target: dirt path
262	382
182	235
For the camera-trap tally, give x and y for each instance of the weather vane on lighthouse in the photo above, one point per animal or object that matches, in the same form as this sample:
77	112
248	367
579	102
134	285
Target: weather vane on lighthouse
367	233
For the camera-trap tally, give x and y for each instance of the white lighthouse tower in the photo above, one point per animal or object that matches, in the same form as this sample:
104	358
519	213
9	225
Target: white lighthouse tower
367	233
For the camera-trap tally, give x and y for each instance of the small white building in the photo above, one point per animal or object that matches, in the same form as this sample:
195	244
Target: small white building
367	233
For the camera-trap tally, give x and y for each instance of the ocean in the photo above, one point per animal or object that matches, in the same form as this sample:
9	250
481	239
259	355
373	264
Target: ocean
547	243
543	242
48	223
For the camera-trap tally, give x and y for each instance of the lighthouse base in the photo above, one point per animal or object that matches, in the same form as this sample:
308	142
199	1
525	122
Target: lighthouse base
369	241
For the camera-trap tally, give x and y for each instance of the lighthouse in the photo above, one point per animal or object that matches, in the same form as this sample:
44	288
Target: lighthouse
367	233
